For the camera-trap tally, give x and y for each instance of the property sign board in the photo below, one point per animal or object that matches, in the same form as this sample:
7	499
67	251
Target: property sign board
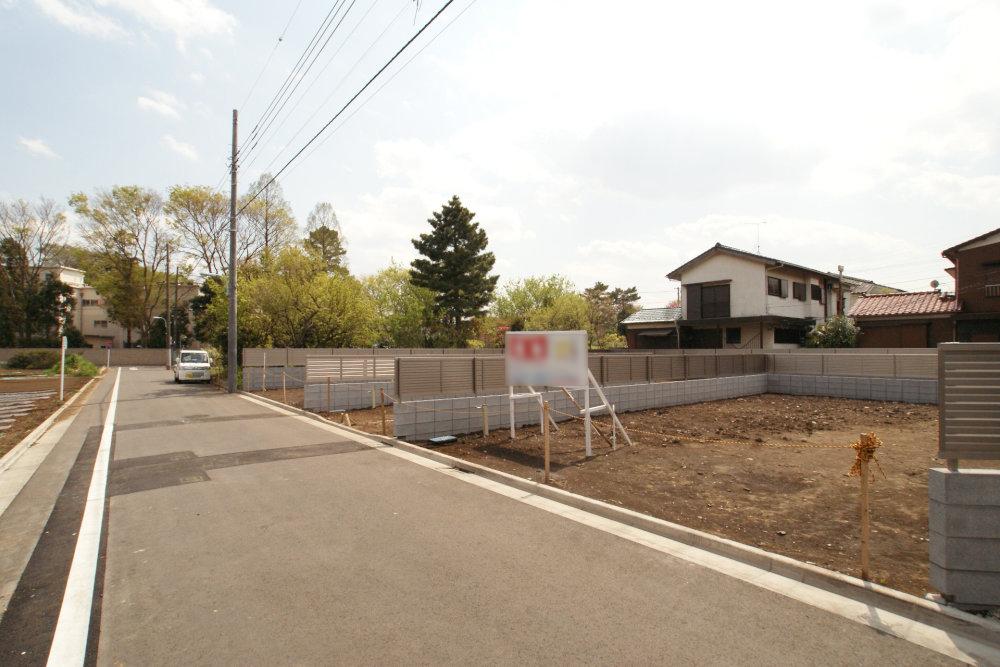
546	358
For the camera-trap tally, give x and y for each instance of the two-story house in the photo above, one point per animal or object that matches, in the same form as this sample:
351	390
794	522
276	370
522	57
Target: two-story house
976	272
737	299
924	319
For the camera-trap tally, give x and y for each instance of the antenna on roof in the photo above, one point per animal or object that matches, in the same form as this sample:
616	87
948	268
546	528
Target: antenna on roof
759	223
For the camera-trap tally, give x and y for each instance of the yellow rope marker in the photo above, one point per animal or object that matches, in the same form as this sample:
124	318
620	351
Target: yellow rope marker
865	447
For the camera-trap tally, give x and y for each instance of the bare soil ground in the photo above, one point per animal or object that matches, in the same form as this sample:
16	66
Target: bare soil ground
777	482
40	410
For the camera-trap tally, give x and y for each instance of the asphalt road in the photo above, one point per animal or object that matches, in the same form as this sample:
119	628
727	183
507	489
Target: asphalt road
238	535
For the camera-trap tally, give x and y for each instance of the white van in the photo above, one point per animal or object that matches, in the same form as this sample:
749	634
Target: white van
193	366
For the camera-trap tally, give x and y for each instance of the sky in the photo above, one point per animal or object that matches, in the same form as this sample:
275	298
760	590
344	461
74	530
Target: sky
602	141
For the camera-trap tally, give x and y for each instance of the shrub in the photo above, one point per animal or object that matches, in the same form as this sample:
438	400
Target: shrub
76	366
839	331
34	359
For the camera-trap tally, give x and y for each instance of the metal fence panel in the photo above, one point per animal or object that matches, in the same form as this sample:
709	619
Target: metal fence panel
969	401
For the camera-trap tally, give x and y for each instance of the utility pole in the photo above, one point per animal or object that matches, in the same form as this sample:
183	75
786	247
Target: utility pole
177	301
231	335
840	289
166	320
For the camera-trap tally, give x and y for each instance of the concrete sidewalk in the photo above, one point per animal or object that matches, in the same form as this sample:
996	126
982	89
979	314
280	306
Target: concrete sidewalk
238	534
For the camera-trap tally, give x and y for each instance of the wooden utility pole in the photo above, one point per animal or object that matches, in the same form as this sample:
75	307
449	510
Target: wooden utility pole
231	333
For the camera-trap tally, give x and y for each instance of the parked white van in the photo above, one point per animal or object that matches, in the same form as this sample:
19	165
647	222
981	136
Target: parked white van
192	365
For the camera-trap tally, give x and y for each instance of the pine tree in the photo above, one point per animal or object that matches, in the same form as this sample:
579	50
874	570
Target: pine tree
455	266
327	245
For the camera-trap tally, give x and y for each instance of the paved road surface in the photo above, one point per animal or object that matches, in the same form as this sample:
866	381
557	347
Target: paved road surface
238	535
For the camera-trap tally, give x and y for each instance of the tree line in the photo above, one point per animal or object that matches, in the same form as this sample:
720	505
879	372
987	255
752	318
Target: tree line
295	288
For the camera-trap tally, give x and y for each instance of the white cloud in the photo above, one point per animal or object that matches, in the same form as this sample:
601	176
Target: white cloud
198	77
81	17
37	147
183	19
184	150
160	102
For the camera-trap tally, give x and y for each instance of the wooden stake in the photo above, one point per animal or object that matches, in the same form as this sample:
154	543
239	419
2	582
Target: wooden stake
373	397
486	421
263	377
284	392
347	418
383	411
328	393
865	521
545	437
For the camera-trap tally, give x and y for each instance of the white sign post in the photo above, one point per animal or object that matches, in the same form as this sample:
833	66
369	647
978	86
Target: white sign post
548	359
62	368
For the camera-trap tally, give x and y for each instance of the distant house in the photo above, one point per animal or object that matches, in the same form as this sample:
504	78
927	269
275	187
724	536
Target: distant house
924	319
976	272
90	313
731	298
912	319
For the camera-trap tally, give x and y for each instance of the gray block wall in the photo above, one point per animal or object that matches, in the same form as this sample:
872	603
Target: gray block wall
253	377
420	420
906	390
346	395
965	534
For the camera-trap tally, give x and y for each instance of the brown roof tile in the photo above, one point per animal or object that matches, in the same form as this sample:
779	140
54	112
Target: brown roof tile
909	303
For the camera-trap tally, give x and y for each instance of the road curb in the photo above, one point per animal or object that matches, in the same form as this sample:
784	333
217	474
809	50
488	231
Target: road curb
883	597
15	452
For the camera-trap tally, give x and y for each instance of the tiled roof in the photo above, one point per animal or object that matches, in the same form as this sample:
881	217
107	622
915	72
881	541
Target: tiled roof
908	303
653	315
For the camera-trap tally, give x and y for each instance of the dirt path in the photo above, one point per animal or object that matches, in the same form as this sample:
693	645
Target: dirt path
775	489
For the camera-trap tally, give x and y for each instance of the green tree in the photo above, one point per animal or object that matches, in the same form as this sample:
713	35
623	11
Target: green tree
404	311
541	303
455	266
31	308
200	216
838	331
292	302
125	230
327	245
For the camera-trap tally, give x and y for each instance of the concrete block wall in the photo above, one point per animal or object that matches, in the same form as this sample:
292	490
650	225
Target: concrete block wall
253	377
906	390
420	420
964	522
346	395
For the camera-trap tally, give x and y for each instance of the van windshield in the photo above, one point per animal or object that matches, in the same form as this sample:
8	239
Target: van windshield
194	357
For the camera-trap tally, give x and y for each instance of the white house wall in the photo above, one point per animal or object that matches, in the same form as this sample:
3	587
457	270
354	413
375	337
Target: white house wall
746	291
790	306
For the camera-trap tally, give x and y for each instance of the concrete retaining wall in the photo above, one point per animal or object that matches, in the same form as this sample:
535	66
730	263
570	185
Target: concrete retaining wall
965	534
906	390
346	395
420	420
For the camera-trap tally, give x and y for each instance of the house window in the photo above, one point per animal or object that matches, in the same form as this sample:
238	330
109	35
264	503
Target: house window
715	301
799	291
91	302
788	336
103	324
733	335
707	301
817	292
777	287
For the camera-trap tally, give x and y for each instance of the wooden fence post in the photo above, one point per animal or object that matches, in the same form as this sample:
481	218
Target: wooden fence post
486	421
263	377
328	393
865	522
284	393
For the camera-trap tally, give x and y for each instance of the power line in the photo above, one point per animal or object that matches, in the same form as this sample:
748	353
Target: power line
389	80
351	101
267	62
305	93
317	35
337	87
302	77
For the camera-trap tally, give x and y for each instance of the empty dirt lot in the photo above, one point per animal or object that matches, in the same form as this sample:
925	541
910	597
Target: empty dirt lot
41	408
779	486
